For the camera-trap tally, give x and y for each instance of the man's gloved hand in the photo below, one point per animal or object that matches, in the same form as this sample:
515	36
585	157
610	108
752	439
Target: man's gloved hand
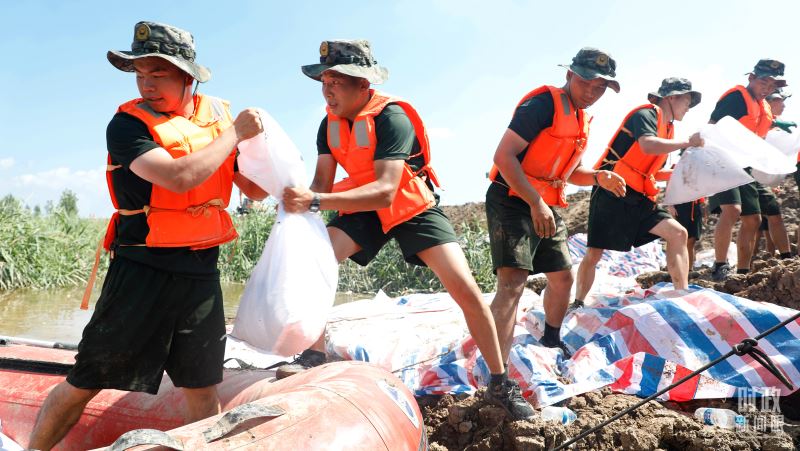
784	125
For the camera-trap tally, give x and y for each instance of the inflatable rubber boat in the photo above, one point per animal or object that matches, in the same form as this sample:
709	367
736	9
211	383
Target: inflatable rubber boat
342	405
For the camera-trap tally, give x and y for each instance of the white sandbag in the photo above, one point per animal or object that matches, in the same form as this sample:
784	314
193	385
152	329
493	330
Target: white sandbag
747	148
6	444
703	172
271	171
719	165
768	179
788	144
285	303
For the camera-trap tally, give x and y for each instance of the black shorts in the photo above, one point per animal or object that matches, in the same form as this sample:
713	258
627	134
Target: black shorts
767	200
513	240
424	231
147	321
621	223
754	198
690	216
797	175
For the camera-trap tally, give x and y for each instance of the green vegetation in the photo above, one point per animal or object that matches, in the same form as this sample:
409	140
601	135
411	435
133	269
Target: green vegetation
238	258
387	272
56	248
53	249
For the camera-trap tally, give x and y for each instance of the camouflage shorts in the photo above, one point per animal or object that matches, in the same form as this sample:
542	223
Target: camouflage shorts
512	238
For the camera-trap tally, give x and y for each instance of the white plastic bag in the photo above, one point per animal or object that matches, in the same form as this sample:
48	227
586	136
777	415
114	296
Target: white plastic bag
768	179
272	171
719	165
747	148
6	444
703	172
285	304
789	145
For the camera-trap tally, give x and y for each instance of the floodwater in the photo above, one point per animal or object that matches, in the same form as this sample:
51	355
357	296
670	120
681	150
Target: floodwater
55	315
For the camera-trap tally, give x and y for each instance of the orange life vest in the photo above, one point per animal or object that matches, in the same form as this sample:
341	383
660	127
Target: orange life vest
555	153
759	115
196	218
641	171
354	149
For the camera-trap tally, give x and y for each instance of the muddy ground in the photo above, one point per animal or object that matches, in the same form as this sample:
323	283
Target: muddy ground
465	422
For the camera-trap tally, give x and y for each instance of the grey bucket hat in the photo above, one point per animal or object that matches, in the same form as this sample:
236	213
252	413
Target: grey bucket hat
163	41
771	68
675	86
780	93
352	58
591	63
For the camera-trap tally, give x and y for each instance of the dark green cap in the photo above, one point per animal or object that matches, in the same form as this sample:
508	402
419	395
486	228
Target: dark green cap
779	93
675	86
591	63
352	58
164	41
772	68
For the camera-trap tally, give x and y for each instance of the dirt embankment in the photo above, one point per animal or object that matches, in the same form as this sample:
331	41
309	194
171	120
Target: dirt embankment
770	280
467	423
474	213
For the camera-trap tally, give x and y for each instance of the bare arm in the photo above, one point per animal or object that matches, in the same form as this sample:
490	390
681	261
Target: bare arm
653	145
248	187
583	176
182	174
372	196
605	179
505	158
324	174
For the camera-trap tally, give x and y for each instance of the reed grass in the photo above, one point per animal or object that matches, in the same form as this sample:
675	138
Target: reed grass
56	249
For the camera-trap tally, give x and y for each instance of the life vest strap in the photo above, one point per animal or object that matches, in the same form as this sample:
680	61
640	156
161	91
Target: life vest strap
204	209
428	172
92	277
195	211
124	212
555	183
647	176
610	150
112	167
622	160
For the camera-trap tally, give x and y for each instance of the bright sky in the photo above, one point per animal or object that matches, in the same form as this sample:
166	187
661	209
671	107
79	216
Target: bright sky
463	64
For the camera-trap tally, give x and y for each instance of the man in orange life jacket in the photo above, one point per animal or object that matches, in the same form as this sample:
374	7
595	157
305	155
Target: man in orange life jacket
380	141
538	154
171	166
776	102
638	152
750	201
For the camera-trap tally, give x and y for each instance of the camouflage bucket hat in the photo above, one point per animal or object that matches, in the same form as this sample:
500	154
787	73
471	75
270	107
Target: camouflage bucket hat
674	86
591	63
352	58
162	41
771	68
779	93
